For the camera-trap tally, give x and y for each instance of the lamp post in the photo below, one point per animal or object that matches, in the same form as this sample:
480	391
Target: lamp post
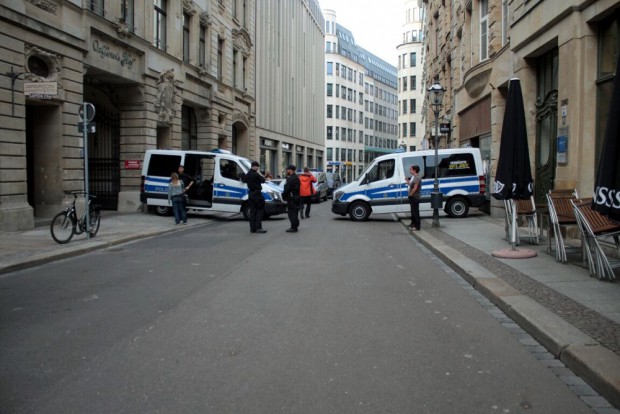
435	95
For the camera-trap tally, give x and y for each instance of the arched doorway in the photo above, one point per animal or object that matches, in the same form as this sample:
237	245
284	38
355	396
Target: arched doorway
240	139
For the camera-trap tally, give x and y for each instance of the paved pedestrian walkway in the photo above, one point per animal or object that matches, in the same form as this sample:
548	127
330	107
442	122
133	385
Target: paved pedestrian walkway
575	316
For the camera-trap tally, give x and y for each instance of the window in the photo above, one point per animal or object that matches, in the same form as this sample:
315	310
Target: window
243	72
97	6
337	133
202	44
220	58
159	24
484	29
337	111
189	132
330	154
127	13
330	68
343	154
413	83
505	22
330	89
329	132
381	171
404	130
412	59
186	20
234	67
404	106
404	83
412	105
230	169
163	165
330	111
412	129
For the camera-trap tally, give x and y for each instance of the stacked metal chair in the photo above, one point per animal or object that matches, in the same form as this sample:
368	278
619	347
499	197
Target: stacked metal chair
561	214
526	209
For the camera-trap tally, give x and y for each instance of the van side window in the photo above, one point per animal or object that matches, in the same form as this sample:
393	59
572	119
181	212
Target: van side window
163	165
454	165
409	161
381	171
230	169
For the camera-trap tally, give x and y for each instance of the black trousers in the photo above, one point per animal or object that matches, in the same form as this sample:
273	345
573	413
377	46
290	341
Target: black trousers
414	203
257	210
307	200
292	205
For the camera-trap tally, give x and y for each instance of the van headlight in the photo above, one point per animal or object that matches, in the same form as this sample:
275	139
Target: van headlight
337	195
276	196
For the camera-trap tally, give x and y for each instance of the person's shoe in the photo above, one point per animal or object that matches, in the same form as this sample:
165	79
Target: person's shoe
307	215
185	222
261	231
252	231
291	230
301	215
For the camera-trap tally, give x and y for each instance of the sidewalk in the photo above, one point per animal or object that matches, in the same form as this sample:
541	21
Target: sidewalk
576	317
20	250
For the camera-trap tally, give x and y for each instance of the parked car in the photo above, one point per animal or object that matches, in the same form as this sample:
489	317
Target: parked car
320	187
333	182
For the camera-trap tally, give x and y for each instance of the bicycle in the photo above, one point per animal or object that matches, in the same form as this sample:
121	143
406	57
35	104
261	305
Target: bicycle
65	224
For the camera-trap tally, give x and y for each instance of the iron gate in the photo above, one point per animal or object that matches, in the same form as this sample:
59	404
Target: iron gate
104	158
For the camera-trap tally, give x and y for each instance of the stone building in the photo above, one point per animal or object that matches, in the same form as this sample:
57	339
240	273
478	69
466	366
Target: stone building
160	74
289	82
563	51
361	107
411	90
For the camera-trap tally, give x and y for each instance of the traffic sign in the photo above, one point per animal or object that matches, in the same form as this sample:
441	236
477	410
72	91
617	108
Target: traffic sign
89	109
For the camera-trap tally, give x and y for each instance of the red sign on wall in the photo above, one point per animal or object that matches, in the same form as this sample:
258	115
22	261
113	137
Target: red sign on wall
132	164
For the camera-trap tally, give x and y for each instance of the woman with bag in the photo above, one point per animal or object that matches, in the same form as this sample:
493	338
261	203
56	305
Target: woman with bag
306	191
176	197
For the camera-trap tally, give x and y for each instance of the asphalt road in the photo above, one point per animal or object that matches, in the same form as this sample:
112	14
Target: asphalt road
341	317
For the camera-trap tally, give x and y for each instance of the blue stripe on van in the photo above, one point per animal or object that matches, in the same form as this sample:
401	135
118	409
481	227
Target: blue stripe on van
468	184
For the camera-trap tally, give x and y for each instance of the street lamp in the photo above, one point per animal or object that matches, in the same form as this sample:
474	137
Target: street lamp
435	96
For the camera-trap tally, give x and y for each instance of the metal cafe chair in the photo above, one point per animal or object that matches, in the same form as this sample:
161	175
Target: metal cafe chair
526	209
596	227
561	214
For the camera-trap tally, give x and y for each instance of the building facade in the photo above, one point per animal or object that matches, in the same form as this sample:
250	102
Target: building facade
290	78
562	51
411	91
160	74
361	106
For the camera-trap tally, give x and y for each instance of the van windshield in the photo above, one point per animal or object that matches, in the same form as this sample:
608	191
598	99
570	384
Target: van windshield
245	163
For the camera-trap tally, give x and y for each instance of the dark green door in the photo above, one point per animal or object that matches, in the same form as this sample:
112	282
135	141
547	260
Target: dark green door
546	124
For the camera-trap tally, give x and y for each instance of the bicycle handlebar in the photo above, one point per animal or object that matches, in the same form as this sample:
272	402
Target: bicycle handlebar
75	194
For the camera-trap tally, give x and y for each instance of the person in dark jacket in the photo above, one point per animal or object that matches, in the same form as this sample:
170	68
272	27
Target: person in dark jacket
291	195
256	202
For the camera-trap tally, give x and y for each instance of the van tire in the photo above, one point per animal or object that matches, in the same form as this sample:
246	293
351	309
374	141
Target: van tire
245	210
359	211
457	207
163	210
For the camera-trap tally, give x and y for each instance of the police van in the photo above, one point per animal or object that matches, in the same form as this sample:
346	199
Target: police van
217	182
381	187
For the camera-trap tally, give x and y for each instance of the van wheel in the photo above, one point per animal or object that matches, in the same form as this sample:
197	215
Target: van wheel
359	211
457	207
163	211
245	210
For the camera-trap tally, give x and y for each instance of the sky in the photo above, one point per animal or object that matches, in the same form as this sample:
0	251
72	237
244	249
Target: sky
376	24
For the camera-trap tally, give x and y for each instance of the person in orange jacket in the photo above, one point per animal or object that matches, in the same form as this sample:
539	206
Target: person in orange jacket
306	190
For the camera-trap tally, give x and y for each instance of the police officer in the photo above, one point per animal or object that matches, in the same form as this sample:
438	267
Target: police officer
291	194
256	202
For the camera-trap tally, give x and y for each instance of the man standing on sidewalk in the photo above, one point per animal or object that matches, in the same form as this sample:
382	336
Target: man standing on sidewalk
256	202
291	195
414	196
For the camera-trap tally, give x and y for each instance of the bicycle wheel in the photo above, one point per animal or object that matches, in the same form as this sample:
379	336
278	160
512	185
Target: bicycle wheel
95	222
62	227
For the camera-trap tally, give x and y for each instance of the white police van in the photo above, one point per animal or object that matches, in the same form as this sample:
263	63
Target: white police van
217	182
381	188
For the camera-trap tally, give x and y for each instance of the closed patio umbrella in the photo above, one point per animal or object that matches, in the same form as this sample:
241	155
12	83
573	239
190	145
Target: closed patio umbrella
606	198
513	178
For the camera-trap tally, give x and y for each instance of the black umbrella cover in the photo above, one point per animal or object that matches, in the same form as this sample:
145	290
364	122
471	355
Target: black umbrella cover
606	198
513	179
